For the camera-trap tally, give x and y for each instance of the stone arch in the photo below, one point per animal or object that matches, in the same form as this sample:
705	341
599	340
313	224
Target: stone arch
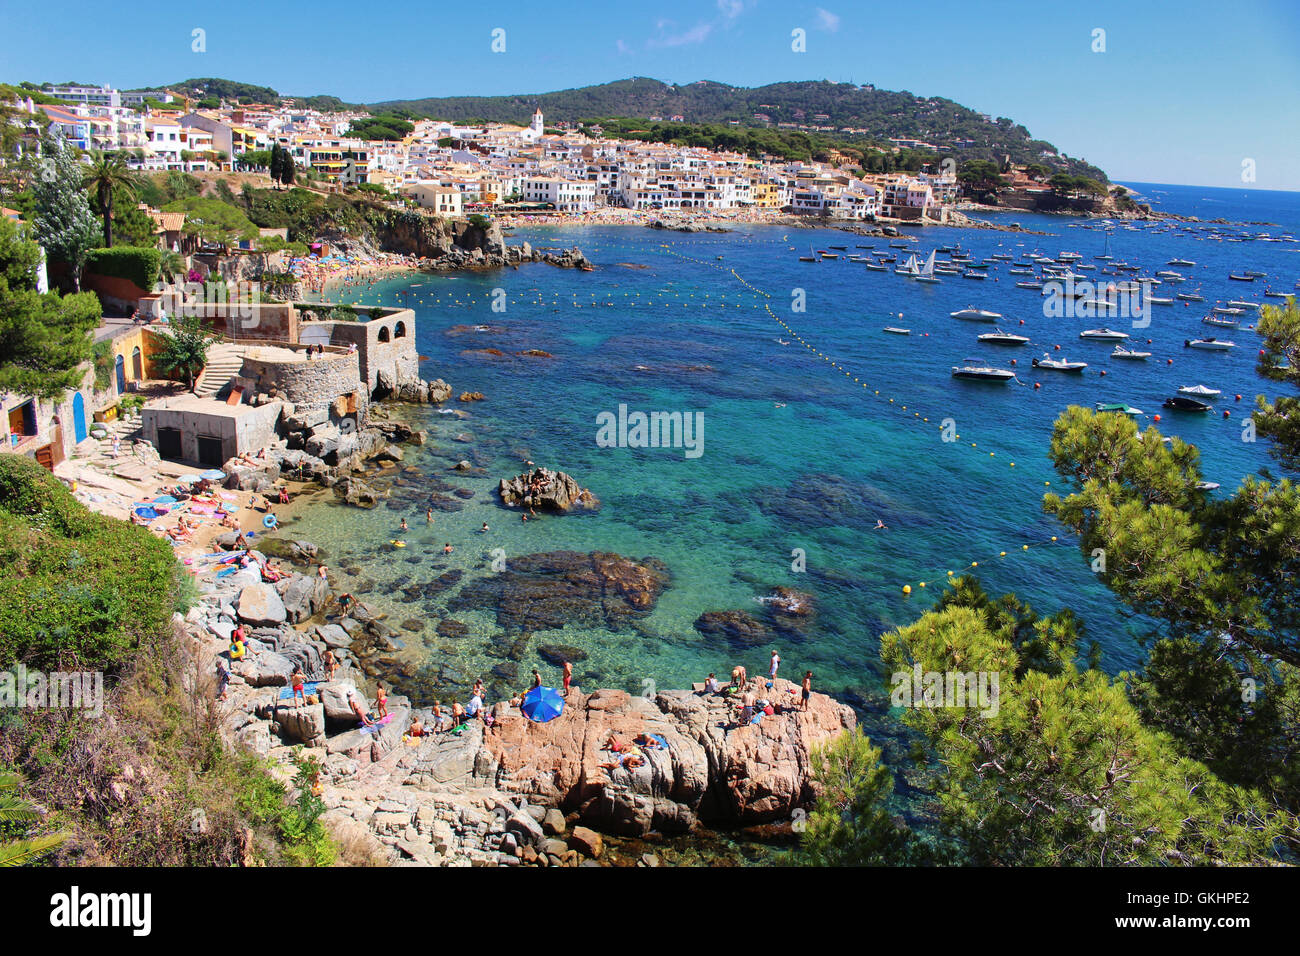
399	330
383	334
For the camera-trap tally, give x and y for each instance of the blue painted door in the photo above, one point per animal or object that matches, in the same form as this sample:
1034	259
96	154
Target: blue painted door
79	417
121	375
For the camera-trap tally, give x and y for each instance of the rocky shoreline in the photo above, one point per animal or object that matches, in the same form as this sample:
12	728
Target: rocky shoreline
515	792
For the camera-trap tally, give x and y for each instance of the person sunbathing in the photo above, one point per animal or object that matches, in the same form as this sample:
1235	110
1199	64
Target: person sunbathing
645	740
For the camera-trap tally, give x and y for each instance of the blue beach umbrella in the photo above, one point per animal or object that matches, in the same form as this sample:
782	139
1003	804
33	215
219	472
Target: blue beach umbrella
147	513
164	500
543	704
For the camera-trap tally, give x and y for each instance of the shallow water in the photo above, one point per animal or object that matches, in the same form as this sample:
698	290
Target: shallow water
683	334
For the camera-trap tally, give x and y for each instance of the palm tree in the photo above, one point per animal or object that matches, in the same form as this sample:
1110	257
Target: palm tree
107	174
13	811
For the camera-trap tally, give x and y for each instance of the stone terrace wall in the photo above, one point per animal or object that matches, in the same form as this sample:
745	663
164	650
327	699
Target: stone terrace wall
385	344
321	380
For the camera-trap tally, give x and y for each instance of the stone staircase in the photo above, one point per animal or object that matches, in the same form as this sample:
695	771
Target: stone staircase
224	362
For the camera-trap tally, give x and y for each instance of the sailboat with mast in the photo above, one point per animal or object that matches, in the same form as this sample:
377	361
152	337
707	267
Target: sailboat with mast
911	268
926	274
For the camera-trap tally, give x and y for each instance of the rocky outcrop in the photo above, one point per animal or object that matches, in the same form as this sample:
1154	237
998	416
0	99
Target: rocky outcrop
260	605
543	489
712	770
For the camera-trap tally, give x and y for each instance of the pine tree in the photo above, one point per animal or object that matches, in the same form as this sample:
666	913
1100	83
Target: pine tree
64	223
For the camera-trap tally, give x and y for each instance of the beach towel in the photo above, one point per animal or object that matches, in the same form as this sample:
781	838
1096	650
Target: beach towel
378	723
202	509
308	688
225	571
660	738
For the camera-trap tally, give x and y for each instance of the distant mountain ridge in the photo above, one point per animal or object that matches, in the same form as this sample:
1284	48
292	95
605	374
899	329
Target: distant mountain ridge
883	114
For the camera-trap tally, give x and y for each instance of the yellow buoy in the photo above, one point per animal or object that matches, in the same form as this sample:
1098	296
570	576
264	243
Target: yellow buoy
907	589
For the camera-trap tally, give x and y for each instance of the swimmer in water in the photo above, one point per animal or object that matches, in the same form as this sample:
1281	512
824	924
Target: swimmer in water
880	525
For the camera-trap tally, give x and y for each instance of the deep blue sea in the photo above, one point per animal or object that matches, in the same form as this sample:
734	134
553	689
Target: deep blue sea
798	455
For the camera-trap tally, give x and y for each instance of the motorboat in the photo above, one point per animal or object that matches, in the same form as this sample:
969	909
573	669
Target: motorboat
1200	391
1220	322
1181	262
1183	404
1059	365
1190	296
972	274
1130	354
1103	335
1120	407
998	337
896	330
1209	344
982	373
972	314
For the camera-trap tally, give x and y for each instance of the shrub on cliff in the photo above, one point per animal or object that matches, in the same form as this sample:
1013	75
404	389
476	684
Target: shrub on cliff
138	264
79	588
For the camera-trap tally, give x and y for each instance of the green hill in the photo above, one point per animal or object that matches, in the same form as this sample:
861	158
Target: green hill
881	114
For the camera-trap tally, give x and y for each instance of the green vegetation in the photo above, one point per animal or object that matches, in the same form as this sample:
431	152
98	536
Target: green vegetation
44	338
1064	772
64	224
214	221
1279	420
138	264
185	352
282	165
19	846
881	113
102	361
388	125
80	589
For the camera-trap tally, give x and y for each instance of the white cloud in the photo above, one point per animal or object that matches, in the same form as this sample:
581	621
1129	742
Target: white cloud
666	38
731	8
622	47
827	21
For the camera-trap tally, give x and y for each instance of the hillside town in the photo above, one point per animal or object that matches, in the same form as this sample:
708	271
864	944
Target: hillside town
455	169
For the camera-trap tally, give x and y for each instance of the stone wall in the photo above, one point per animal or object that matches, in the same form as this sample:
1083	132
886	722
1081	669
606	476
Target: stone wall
386	344
320	380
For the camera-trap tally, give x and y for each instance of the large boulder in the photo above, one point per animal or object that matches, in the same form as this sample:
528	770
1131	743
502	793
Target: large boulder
304	724
266	669
305	595
260	605
334	698
545	490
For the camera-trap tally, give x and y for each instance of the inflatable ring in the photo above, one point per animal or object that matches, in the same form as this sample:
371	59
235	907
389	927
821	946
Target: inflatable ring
398	544
269	521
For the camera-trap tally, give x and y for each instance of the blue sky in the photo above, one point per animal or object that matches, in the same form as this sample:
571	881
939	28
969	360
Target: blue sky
1184	92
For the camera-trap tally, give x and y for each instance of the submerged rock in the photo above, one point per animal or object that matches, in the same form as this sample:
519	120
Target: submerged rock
739	628
552	589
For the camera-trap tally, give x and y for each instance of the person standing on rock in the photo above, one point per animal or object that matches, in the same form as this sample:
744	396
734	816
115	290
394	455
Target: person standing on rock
537	678
807	688
223	679
331	664
568	677
773	665
428	516
299	685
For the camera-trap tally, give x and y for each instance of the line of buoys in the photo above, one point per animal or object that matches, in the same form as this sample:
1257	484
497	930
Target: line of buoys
951	575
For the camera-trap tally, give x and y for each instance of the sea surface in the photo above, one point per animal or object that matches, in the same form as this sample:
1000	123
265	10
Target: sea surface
806	445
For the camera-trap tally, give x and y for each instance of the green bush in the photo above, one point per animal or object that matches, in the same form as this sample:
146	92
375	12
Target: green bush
79	588
139	264
103	361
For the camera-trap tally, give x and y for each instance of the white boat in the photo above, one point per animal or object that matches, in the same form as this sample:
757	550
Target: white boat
909	268
1180	262
974	275
1103	335
1029	285
1157	300
1200	391
896	330
927	271
1256	274
998	337
1220	323
1059	365
1069	257
1279	295
1131	354
1226	310
1191	297
1244	306
1121	407
972	314
982	373
1209	344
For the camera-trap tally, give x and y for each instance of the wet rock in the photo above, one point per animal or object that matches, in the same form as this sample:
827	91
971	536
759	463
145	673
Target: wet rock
452	628
557	654
552	589
739	628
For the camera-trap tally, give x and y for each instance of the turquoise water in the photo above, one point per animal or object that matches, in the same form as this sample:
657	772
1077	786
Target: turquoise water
662	325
